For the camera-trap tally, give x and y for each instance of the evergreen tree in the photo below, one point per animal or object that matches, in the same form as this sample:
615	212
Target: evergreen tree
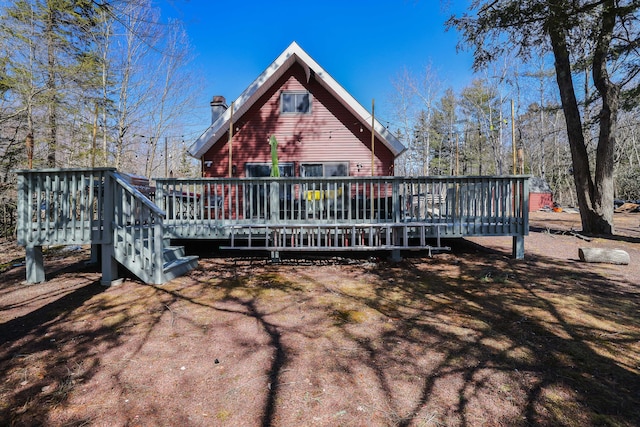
479	104
444	134
52	65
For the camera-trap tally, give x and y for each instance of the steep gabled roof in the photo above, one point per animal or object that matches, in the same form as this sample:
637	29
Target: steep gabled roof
263	83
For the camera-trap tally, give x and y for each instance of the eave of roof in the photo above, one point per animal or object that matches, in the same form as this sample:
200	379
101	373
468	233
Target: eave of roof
293	53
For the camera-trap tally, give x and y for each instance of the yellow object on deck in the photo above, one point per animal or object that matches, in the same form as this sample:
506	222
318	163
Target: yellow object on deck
315	195
323	194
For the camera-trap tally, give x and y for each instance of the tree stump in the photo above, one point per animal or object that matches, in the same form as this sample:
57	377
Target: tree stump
609	256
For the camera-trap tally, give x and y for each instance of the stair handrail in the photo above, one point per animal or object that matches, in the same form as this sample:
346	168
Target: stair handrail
138	194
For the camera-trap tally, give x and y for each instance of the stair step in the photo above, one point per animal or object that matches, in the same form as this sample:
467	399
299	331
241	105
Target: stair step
171	253
178	267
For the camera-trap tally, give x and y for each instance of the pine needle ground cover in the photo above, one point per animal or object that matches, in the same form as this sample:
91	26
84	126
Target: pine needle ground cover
466	338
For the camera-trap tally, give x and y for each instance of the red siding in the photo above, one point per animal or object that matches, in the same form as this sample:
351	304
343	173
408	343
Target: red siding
329	134
539	201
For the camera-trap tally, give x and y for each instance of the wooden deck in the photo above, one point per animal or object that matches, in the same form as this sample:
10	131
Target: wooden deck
100	207
346	213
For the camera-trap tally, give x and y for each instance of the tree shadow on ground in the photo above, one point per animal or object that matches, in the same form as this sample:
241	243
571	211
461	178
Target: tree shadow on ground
38	332
552	329
615	237
567	330
56	347
459	339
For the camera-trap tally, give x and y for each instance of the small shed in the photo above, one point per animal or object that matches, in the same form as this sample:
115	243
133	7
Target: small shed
540	194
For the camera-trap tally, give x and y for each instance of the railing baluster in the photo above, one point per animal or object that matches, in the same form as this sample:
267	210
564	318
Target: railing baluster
73	204
50	206
84	209
35	186
235	204
97	198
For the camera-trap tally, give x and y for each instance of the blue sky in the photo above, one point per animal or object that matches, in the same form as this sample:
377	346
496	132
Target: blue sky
364	45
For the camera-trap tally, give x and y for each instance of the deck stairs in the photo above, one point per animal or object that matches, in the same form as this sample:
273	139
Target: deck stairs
175	262
102	208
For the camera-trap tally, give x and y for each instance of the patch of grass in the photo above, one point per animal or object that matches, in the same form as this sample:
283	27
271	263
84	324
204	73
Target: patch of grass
7	265
606	421
223	415
563	408
487	278
264	285
349	316
115	320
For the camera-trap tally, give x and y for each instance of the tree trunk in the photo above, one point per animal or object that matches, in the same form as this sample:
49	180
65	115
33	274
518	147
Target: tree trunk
51	88
29	138
591	213
609	92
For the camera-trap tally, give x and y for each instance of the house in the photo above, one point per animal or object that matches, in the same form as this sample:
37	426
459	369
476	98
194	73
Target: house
321	129
338	194
540	194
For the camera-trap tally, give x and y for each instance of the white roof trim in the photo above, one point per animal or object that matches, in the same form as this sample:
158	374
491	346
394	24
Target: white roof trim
267	78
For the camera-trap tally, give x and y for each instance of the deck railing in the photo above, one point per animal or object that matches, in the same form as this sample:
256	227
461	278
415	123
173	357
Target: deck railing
465	206
58	206
99	207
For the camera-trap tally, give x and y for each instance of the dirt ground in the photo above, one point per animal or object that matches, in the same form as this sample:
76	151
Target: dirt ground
465	338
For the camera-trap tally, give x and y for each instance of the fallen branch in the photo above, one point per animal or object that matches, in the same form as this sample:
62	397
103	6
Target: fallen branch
173	315
580	236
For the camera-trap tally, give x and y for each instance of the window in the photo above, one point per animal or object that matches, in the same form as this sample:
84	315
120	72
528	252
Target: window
309	170
324	169
295	103
325	199
257	193
259	170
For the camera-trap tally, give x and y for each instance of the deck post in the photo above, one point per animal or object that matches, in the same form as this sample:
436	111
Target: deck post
34	264
274	212
108	261
158	249
518	247
109	266
95	254
397	205
395	255
159	197
521	192
274	202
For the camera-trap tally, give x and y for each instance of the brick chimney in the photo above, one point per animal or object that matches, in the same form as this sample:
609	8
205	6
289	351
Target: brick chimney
218	107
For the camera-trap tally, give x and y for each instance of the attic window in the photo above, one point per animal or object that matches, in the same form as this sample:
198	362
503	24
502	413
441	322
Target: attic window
295	103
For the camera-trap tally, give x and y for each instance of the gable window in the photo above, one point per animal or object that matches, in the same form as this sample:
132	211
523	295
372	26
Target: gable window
295	103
